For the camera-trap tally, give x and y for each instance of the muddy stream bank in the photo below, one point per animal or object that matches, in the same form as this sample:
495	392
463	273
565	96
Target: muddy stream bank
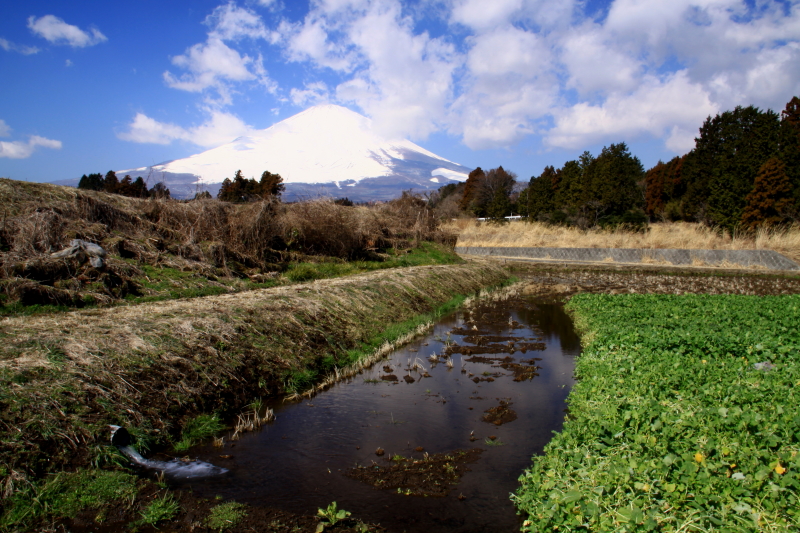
414	444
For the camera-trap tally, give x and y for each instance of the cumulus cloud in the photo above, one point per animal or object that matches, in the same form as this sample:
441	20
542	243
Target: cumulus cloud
216	65
24	149
220	128
231	22
8	46
673	108
208	65
400	77
507	69
57	31
313	94
596	63
509	87
5	129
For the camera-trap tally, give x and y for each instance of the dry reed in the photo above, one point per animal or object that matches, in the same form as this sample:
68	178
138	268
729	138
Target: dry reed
681	235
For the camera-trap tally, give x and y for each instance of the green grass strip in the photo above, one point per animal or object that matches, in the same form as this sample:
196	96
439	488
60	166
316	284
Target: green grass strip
303	379
674	423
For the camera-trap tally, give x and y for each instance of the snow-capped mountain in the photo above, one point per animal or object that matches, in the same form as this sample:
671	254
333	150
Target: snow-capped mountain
326	150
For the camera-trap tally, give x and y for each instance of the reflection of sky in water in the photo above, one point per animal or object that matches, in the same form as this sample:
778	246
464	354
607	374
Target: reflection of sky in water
297	462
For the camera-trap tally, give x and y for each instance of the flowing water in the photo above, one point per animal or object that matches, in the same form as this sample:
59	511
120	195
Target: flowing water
298	462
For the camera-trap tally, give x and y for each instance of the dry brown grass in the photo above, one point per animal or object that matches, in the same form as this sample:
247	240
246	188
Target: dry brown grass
64	377
207	237
681	235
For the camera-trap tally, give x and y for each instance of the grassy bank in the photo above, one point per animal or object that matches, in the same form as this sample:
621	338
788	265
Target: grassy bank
660	235
153	367
674	424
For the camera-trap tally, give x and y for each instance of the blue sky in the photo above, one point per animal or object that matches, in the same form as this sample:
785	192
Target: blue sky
90	86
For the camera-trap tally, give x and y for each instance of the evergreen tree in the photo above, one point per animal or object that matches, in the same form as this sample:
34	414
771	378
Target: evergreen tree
496	181
541	193
569	195
664	188
771	198
271	185
92	182
471	188
226	192
499	206
159	191
111	183
139	188
728	154
790	144
614	179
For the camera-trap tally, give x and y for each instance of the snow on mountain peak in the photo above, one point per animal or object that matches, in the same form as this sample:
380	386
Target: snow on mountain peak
324	144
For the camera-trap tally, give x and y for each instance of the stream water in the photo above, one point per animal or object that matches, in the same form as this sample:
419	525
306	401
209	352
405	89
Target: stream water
299	461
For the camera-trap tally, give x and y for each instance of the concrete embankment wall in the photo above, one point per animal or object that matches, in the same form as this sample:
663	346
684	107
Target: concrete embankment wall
767	259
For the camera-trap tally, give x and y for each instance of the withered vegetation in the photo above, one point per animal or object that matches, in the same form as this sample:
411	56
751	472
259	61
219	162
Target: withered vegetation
203	246
153	366
73	360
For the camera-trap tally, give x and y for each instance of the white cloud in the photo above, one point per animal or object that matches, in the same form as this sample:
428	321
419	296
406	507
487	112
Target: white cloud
8	46
409	76
401	78
481	15
673	108
5	129
216	65
57	31
68	63
314	93
210	64
596	62
508	68
220	128
22	149
231	22
509	87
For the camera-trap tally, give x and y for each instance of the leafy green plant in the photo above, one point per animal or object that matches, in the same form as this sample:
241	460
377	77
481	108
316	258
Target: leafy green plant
331	516
164	508
64	495
673	424
496	442
226	515
201	427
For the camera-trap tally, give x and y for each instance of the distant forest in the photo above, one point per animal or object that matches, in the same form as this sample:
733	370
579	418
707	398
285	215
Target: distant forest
743	172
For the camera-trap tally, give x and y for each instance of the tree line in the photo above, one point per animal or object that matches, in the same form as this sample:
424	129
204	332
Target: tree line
126	187
743	172
239	189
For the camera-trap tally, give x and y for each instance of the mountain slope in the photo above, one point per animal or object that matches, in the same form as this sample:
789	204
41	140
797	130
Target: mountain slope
325	150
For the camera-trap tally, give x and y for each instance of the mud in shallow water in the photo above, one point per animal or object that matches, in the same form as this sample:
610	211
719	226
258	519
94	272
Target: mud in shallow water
438	405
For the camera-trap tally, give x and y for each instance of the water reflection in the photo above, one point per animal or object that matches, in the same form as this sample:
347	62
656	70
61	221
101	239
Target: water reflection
298	462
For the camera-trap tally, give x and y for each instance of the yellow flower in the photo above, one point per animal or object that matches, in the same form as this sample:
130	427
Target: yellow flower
699	457
779	469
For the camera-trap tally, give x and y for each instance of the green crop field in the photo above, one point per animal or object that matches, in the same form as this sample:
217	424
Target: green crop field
674	424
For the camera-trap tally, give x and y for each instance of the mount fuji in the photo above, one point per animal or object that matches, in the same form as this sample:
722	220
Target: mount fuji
326	150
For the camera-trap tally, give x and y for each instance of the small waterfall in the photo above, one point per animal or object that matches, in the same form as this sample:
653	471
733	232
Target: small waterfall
175	468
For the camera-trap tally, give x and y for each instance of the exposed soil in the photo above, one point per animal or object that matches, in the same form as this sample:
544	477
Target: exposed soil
560	282
193	514
502	414
430	475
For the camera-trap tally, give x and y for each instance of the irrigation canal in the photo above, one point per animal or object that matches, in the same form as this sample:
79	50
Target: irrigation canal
519	361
